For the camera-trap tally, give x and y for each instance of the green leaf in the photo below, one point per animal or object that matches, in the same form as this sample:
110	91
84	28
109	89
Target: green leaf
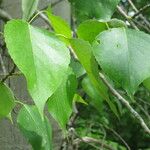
77	98
84	52
28	8
34	128
146	83
93	93
116	23
89	29
60	103
59	25
40	56
77	68
124	55
89	9
7	100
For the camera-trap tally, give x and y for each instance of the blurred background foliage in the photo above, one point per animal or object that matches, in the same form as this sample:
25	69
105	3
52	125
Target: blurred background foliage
97	120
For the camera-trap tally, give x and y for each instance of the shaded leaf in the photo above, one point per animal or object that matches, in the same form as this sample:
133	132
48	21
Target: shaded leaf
7	100
28	8
77	68
146	83
93	93
40	56
60	103
89	9
124	55
89	29
84	52
34	128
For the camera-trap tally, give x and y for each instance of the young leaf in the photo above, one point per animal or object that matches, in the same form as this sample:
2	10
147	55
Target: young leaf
84	52
28	8
60	103
34	128
89	29
124	55
59	25
41	57
7	100
89	9
77	98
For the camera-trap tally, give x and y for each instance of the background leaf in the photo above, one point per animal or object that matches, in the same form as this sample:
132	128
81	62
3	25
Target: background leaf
28	8
93	93
89	9
34	128
41	57
60	103
7	100
124	55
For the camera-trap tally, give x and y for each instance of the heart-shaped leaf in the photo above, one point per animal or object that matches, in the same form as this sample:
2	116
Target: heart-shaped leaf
124	55
28	8
60	103
7	100
34	128
41	57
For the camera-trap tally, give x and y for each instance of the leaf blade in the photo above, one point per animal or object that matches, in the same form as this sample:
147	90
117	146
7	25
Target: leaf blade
28	8
7	100
46	73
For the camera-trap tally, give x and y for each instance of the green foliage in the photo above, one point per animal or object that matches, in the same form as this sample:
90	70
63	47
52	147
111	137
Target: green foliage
7	100
60	26
89	29
84	52
28	8
64	73
121	56
43	75
89	9
60	103
34	128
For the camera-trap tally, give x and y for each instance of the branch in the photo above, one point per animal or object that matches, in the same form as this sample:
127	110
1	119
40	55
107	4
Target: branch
141	10
140	15
126	103
122	12
118	135
93	140
4	15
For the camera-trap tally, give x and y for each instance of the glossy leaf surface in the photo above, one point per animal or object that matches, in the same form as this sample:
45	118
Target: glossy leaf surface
41	57
124	55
